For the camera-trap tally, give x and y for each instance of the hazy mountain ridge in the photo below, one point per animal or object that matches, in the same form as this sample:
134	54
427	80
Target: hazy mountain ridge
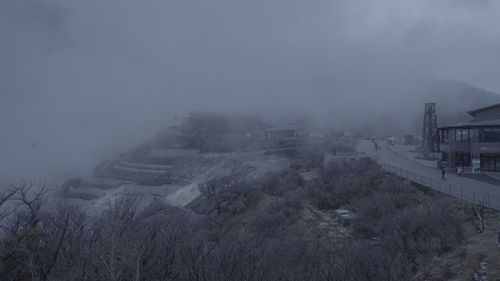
401	111
458	98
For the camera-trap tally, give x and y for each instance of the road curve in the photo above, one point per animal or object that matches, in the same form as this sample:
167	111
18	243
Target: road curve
463	188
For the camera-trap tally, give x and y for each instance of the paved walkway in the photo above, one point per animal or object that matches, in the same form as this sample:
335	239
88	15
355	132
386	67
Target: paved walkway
461	187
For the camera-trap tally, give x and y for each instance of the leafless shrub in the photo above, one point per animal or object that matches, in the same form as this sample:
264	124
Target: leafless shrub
246	234
279	184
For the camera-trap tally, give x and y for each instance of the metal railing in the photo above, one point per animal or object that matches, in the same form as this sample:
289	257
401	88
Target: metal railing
464	193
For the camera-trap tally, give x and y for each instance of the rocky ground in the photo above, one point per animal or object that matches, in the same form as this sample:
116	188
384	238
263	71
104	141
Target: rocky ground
97	193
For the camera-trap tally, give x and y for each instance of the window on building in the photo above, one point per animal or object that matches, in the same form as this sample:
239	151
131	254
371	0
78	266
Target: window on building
497	163
444	156
464	135
445	136
490	135
462	159
488	162
474	135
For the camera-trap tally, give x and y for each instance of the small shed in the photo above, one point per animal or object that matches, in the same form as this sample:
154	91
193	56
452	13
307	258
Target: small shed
346	217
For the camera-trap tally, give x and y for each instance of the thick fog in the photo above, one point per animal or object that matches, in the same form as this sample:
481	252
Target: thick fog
83	80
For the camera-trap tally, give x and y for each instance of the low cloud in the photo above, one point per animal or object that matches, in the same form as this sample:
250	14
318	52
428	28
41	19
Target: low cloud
83	80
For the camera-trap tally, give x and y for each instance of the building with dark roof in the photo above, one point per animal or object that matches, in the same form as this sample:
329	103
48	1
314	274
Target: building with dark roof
473	145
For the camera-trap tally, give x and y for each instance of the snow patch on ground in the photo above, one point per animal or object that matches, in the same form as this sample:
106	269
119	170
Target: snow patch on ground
184	196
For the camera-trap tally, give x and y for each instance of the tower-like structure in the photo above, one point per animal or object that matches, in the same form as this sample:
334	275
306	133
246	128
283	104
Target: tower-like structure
430	137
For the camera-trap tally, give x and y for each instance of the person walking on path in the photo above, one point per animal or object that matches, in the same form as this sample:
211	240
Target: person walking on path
443	174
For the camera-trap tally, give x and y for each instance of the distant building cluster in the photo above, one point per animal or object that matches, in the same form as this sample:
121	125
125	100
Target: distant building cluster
218	132
286	132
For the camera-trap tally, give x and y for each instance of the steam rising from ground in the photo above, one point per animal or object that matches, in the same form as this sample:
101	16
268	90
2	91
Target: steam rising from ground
83	80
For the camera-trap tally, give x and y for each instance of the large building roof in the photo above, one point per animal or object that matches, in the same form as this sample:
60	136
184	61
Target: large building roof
486	123
473	112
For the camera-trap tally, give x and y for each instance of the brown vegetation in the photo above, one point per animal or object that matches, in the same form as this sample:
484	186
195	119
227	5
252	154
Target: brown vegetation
247	230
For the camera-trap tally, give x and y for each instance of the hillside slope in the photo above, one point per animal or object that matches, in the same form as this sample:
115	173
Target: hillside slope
397	107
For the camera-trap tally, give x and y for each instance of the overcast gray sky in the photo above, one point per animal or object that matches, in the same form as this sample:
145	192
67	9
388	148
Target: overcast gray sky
81	80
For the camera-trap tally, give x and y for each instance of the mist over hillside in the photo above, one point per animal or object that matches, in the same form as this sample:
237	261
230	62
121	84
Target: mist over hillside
399	109
249	140
79	84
